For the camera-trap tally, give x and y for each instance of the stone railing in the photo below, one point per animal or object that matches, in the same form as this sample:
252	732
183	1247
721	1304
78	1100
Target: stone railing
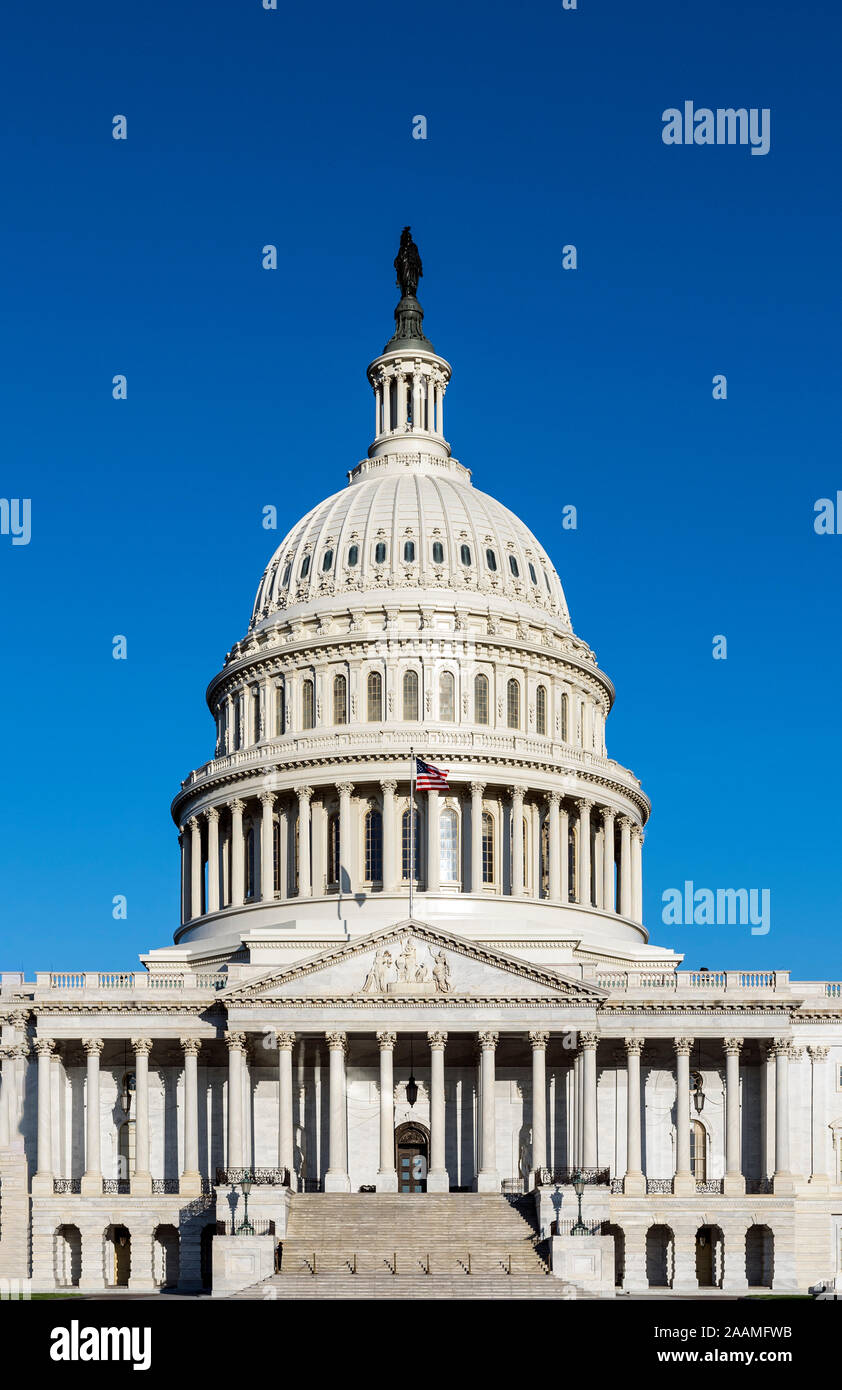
127	981
261	1177
548	1177
722	981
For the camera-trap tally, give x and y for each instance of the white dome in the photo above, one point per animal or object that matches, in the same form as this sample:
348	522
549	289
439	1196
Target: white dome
411	522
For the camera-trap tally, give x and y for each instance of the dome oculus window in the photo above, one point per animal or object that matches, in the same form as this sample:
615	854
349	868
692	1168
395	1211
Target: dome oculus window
513	566
305	568
327	561
465	554
409	551
438	553
491	560
380	553
353	556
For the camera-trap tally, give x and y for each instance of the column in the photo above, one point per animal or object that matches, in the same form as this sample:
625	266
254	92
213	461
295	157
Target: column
819	1165
608	886
431	404
336	1177
684	1184
589	1127
735	1183
346	878
229	724
190	1184
564	859
212	817
286	1151
141	1178
584	852
185	874
42	1181
390	839
625	867
387	1177
578	1090
5	1093
387	404
517	793
539	1042
477	789
554	883
767	1112
783	1181
598	866
637	873
237	862
488	1179
304	885
195	867
400	423
634	1183
92	1179
267	847
236	1043
433	853
438	1179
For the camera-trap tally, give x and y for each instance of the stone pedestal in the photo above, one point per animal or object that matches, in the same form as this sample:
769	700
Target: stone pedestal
386	1182
634	1184
240	1261
734	1185
586	1261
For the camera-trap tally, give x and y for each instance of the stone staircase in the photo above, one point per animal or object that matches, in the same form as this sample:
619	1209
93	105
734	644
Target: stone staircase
424	1245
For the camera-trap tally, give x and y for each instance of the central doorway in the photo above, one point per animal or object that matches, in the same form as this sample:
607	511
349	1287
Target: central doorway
412	1156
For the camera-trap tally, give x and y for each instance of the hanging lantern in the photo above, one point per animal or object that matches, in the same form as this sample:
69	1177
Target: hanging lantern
411	1091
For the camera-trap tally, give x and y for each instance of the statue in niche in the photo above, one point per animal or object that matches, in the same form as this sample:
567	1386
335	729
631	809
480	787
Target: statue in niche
441	974
377	978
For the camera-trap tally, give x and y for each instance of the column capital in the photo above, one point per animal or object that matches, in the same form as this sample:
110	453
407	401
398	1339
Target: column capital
517	793
539	1040
625	822
44	1046
488	1041
637	832
387	1041
303	793
211	814
193	822
337	1042
477	788
285	1041
344	788
818	1054
237	805
781	1046
143	1046
634	1046
589	1041
267	799
235	1042
437	1041
93	1046
190	1046
552	798
608	813
585	805
732	1046
389	786
683	1046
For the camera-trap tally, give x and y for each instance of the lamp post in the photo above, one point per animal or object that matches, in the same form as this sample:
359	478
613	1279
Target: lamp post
580	1229
246	1229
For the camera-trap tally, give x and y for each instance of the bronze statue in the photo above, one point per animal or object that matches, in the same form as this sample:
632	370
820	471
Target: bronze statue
408	264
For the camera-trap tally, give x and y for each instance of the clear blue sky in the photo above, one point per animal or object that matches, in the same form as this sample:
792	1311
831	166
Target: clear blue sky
591	387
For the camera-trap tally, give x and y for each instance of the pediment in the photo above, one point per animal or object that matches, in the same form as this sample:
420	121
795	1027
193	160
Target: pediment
412	961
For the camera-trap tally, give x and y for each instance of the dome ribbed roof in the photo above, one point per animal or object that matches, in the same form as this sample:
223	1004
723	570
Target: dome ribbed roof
383	532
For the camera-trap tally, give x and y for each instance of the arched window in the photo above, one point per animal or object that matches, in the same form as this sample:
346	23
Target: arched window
305	568
547	582
410	695
410	858
287	573
380	553
487	847
373	847
327	561
545	858
280	722
438	553
449	845
513	704
353	556
513	566
409	551
565	718
465	554
698	1151
491	560
532	575
572	877
541	709
276	855
333	849
447	697
308	705
251	885
340	700
481	699
375	696
237	721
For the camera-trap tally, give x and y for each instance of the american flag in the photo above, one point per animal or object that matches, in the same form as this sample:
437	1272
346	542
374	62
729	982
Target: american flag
429	778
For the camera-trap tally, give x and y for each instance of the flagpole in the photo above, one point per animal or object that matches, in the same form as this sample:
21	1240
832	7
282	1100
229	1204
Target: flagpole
411	826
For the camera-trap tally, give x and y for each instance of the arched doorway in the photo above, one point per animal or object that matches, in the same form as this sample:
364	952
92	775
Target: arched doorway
412	1156
659	1250
68	1256
709	1242
166	1257
619	1252
206	1254
760	1257
119	1250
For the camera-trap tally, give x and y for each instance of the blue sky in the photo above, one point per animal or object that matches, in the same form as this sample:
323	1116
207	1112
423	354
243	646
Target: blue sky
591	387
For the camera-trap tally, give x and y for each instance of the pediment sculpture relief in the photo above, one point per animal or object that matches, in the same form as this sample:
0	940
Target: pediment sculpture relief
406	972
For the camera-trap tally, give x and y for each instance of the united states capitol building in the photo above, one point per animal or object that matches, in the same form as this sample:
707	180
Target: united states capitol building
410	1021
